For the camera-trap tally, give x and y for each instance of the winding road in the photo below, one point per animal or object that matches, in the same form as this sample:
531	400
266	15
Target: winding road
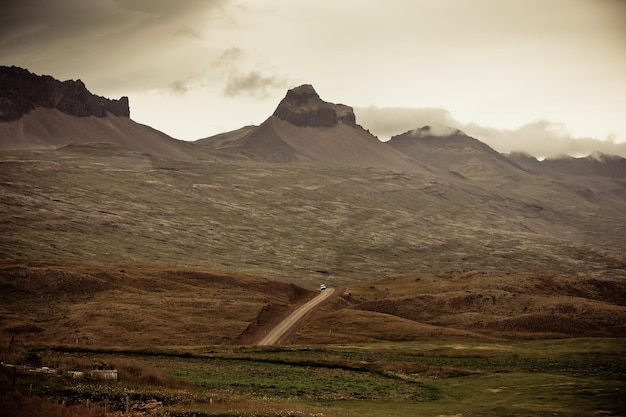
274	335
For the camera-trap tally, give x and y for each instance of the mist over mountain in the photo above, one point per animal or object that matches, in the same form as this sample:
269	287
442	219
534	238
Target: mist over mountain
452	150
596	164
540	138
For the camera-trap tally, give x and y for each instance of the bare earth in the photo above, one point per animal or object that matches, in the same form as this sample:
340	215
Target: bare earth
275	335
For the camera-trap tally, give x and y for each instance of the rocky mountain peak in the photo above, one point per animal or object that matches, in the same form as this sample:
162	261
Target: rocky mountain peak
432	131
302	106
21	91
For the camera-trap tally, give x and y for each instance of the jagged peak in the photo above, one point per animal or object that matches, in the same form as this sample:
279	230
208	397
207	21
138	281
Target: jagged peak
302	106
437	130
21	91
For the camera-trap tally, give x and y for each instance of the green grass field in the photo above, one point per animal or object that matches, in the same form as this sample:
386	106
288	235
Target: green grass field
561	377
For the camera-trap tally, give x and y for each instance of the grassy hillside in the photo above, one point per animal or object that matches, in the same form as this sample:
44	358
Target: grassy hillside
302	222
134	306
473	305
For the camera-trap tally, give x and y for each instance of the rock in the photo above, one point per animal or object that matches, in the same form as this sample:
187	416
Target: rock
22	91
151	405
302	106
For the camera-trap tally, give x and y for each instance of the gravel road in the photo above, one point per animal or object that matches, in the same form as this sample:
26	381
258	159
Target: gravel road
274	335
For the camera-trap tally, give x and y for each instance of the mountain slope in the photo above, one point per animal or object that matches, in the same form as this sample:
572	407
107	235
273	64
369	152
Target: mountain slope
41	112
594	165
45	128
455	151
301	222
306	128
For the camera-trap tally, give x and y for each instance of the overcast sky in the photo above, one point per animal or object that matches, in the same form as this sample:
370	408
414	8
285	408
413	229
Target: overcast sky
541	76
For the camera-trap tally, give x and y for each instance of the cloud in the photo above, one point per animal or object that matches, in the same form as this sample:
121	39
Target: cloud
229	57
540	138
113	45
543	139
436	130
389	121
252	84
178	87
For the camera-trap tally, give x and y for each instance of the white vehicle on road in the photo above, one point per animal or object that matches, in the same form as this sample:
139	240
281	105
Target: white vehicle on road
322	287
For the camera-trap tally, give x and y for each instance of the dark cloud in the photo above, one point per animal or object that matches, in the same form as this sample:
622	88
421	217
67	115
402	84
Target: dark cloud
541	138
252	83
110	44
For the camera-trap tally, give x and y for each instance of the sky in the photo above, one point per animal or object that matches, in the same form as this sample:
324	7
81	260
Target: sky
545	77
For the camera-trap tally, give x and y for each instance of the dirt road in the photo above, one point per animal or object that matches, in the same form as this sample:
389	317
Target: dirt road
274	335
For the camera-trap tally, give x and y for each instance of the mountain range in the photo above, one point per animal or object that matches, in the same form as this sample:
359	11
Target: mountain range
307	190
41	112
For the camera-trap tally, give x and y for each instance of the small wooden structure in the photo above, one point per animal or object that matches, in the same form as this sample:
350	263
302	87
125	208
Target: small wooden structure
105	374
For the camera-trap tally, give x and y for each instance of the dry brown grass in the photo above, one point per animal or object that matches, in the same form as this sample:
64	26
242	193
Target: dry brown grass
18	405
92	305
473	304
348	325
133	306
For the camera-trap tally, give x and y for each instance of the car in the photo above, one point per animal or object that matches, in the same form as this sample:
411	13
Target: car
322	287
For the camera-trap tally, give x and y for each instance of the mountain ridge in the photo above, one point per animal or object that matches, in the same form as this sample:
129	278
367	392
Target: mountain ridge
38	112
22	91
305	128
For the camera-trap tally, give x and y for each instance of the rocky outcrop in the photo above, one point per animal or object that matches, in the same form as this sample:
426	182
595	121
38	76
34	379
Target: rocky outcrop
22	91
302	106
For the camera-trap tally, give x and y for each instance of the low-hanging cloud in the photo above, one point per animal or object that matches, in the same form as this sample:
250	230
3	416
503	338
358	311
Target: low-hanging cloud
540	138
385	122
543	139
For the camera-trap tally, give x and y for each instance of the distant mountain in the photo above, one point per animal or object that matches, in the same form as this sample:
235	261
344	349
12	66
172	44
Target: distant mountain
42	112
452	150
305	128
594	165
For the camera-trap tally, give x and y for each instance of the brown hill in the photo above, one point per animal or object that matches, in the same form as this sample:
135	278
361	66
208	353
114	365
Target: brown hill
133	306
160	307
473	304
306	128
